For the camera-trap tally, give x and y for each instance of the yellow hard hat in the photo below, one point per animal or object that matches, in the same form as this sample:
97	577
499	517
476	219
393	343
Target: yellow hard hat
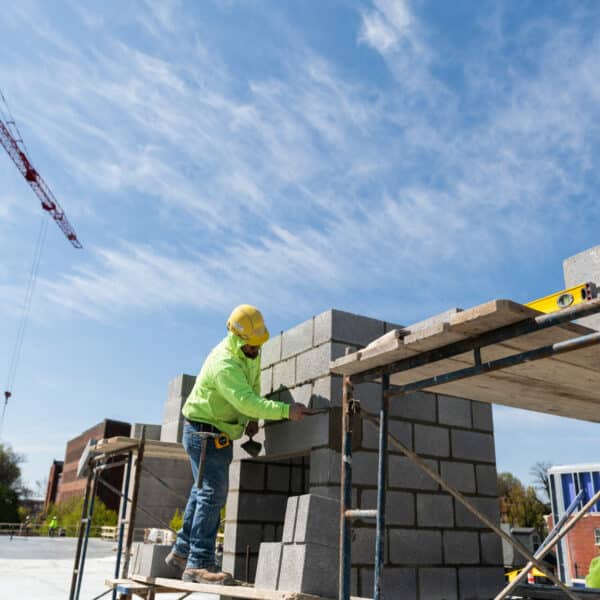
247	323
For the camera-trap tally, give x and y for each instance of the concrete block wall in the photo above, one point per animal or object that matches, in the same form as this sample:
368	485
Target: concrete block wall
172	426
434	548
256	506
581	268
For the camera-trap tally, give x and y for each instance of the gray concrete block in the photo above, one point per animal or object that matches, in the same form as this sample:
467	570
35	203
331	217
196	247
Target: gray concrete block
482	416
308	568
289	525
491	549
364	468
317	521
327	391
297	339
461	547
151	432
418	406
363	546
480	583
487	480
401	430
181	385
432	441
454	411
324	466
266	381
435	510
239	535
270	353
246	475
299	480
254	506
346	327
438	584
301	394
403	473
369	396
315	363
279	478
400	506
472	445
581	268
172	431
149	561
488	506
236	565
284	374
460	475
172	408
269	566
396	583
415	546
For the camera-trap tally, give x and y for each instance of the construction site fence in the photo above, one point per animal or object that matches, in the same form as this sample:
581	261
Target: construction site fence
108	532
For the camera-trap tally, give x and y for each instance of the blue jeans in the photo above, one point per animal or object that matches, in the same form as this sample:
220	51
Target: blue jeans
196	539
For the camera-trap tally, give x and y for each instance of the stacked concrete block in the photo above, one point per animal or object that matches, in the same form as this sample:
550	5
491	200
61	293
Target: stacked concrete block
179	390
151	432
434	547
256	508
149	560
581	268
308	555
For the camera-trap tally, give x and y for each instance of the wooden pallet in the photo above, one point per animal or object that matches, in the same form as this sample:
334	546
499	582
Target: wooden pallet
567	384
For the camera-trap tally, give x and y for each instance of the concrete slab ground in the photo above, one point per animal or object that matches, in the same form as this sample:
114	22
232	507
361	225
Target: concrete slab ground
40	569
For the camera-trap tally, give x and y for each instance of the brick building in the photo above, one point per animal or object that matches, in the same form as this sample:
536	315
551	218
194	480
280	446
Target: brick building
54	478
576	550
73	486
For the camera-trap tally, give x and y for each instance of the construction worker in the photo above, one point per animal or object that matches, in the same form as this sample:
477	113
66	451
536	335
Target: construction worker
224	403
53	526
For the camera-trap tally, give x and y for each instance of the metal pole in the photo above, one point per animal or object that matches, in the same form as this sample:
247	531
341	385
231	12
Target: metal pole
381	488
546	547
84	507
133	505
346	494
458	496
86	537
122	520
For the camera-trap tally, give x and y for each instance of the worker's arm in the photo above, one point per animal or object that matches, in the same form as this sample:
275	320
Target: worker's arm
232	385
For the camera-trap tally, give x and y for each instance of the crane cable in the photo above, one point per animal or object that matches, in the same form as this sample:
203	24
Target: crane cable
16	354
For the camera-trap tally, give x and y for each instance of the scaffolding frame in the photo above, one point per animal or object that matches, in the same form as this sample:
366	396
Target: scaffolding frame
351	408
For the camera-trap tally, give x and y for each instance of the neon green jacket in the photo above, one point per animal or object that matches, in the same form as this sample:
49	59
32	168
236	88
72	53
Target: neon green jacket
593	577
227	391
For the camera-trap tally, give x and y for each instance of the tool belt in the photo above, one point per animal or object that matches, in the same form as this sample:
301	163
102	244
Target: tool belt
222	440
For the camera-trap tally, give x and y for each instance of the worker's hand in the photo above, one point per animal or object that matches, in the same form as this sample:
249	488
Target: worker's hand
296	412
251	428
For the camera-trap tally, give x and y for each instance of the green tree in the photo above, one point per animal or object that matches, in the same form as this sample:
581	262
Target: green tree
520	506
177	521
68	514
10	484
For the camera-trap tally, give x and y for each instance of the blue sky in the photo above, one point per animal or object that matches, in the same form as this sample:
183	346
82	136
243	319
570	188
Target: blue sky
393	159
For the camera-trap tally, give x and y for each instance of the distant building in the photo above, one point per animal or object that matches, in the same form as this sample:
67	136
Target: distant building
53	482
526	536
72	486
577	549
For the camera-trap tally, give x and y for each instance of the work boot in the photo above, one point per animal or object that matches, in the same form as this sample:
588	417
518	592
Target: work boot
176	561
210	575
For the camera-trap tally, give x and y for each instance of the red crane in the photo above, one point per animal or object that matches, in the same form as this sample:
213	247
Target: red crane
14	146
12	142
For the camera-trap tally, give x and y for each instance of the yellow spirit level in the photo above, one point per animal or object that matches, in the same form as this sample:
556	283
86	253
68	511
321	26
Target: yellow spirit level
565	298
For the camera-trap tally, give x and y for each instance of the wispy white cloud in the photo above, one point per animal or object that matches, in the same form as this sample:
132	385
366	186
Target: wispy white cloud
280	184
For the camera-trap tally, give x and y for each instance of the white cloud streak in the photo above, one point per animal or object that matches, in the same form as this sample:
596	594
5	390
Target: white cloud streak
309	182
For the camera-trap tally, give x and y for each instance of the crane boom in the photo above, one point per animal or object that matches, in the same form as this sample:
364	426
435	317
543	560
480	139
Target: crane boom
38	185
